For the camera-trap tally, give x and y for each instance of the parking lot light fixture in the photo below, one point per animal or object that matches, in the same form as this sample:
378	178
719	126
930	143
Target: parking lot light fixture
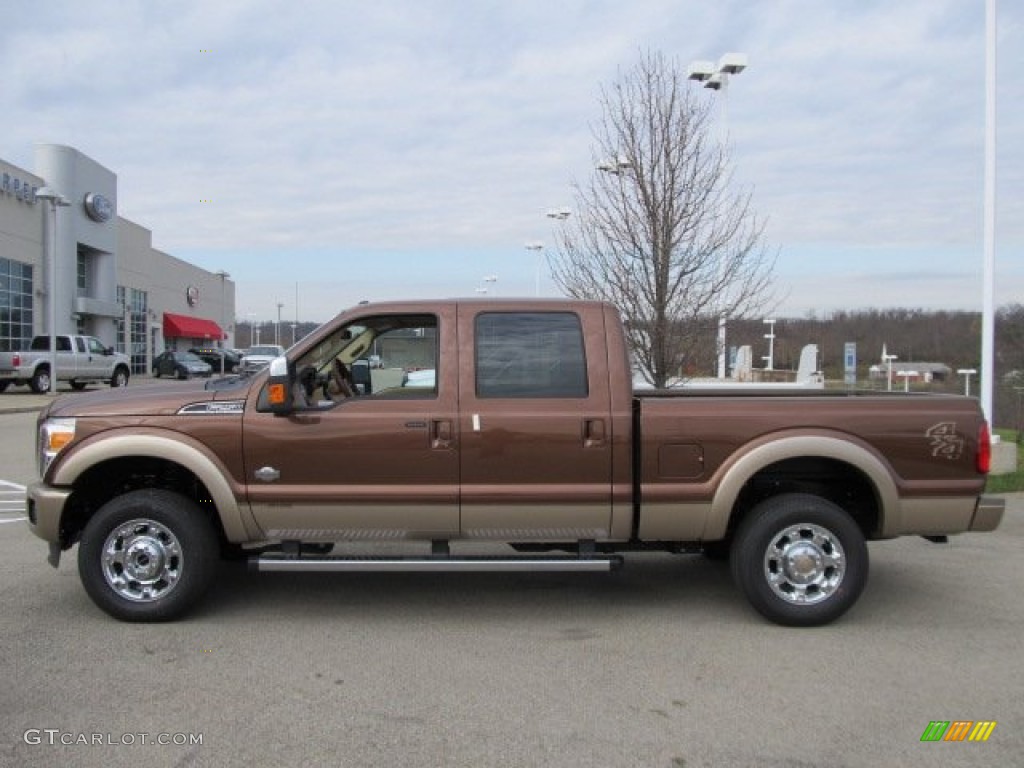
56	200
537	247
224	335
716	78
967	373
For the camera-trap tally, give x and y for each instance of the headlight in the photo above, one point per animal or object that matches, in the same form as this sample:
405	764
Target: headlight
54	434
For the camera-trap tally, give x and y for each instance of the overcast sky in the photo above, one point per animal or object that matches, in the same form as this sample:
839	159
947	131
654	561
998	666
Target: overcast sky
409	149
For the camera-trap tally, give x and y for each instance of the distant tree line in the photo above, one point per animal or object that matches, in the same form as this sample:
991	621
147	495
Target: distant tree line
247	332
913	335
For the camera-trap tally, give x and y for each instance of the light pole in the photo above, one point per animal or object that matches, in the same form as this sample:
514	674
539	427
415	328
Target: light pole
56	200
558	214
224	337
888	361
771	343
988	276
966	373
277	328
537	247
717	79
906	376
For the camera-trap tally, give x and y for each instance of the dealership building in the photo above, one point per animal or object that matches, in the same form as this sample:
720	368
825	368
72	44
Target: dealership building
107	281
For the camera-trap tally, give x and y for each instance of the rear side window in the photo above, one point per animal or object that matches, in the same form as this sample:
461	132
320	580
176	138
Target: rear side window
530	354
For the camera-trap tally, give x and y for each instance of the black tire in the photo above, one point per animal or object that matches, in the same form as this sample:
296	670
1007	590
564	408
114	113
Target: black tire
182	374
149	555
800	560
40	381
3	386
120	377
78	386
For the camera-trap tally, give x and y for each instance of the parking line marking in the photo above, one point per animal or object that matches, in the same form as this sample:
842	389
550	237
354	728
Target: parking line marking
14	520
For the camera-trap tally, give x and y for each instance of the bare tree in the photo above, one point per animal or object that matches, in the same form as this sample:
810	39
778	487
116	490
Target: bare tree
662	234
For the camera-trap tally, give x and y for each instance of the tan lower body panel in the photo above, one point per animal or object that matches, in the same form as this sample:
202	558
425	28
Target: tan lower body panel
673	522
932	517
536	522
321	522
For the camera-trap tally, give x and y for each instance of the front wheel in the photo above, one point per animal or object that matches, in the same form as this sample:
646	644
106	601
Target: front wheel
148	555
120	377
800	560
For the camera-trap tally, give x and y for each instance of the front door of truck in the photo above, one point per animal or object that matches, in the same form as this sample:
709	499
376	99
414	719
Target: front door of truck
377	465
535	420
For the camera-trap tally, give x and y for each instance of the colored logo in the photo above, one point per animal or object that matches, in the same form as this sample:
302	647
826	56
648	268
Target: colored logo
958	730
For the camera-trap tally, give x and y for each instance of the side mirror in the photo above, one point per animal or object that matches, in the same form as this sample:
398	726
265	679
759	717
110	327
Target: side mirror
108	351
279	388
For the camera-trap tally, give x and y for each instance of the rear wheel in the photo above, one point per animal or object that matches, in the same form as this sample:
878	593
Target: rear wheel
148	555
3	386
40	381
800	560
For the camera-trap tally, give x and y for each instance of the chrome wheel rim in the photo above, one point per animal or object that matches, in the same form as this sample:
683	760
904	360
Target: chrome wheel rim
804	564
142	560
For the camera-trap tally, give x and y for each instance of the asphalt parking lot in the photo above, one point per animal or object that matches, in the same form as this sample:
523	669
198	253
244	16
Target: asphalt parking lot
660	664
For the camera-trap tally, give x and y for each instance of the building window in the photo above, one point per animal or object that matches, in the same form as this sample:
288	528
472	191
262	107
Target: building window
15	305
83	274
136	303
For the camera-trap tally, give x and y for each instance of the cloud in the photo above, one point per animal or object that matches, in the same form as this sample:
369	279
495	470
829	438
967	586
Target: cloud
417	129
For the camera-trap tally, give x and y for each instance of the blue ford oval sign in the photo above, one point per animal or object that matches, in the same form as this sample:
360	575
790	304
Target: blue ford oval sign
98	207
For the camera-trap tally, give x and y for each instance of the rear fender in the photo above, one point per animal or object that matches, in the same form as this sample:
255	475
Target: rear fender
751	459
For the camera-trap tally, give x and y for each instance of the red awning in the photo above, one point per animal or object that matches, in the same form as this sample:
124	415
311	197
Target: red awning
185	327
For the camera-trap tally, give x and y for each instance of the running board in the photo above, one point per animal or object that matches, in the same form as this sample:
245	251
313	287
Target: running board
438	564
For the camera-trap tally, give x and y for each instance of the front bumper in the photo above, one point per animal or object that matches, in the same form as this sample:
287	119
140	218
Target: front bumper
988	513
45	505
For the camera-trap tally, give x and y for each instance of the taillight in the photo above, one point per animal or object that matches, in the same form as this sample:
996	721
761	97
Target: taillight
16	360
983	461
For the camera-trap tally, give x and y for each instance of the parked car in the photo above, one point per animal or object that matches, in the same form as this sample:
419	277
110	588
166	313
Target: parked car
425	378
184	365
258	358
80	361
212	356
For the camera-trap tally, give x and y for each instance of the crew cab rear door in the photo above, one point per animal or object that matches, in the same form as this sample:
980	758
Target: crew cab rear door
535	421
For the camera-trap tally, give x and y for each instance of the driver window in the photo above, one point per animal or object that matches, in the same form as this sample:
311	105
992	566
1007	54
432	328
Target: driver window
386	356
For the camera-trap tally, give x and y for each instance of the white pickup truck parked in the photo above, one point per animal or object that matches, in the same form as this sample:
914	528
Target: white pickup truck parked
80	360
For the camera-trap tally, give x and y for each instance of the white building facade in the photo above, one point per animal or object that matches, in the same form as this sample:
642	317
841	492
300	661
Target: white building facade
110	281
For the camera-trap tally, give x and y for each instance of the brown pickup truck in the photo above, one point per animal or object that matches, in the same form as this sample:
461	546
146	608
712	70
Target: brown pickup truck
494	422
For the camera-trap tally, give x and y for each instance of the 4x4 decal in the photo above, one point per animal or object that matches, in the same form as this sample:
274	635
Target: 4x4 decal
946	442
